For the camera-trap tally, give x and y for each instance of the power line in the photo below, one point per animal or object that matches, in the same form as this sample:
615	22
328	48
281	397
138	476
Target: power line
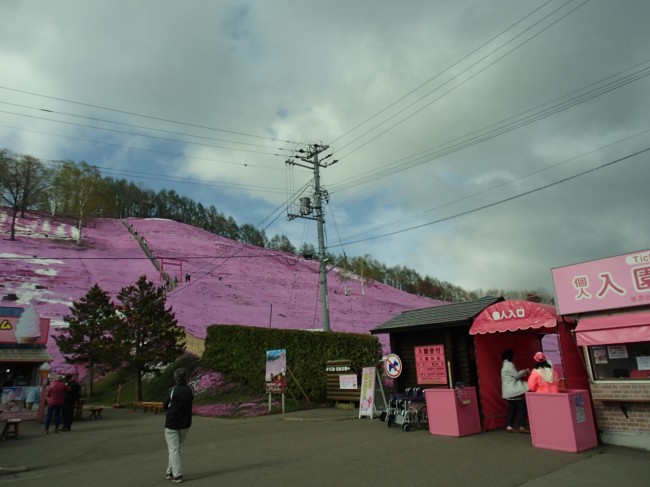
123	132
448	68
490	205
458	76
547	168
529	116
173	179
230	141
151	117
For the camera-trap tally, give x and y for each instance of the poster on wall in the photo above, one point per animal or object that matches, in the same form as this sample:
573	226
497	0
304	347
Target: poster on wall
581	415
276	371
643	362
600	355
430	365
616	351
348	381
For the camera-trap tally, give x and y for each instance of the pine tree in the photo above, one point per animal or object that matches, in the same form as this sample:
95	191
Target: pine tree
88	339
150	333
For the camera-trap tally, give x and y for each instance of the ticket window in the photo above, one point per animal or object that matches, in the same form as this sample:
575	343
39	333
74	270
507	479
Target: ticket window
621	361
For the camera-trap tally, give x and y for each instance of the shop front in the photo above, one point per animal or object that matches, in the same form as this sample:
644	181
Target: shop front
443	328
437	356
610	299
525	327
24	362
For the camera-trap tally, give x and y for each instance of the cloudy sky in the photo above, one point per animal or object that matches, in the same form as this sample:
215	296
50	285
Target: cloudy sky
481	143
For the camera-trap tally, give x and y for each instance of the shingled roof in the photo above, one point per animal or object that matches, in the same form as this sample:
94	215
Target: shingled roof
455	314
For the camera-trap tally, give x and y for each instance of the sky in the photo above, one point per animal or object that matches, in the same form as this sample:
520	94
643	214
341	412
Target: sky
480	143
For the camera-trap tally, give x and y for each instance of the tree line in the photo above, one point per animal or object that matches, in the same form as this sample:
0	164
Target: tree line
78	190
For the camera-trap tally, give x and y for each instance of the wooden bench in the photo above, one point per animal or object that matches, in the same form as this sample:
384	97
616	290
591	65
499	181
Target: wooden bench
95	412
11	429
156	407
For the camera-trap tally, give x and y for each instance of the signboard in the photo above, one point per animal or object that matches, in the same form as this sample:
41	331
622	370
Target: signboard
430	364
393	366
616	282
367	397
348	381
23	327
276	371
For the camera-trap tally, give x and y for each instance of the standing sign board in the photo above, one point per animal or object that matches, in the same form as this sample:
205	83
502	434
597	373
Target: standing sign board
367	399
430	364
276	371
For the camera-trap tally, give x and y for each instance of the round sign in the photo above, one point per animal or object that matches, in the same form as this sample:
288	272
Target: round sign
393	366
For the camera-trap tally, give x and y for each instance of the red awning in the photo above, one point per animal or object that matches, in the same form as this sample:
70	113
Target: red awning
514	316
614	328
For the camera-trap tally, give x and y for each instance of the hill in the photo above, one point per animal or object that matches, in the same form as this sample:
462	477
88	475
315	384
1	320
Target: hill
229	282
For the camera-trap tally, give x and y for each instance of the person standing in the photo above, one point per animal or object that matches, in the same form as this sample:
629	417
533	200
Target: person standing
544	377
55	393
70	399
513	388
178	420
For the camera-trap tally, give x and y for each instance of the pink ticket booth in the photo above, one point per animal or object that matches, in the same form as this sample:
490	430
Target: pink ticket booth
453	412
525	327
563	421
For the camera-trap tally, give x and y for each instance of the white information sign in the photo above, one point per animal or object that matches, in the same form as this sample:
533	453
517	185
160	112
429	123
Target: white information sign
348	381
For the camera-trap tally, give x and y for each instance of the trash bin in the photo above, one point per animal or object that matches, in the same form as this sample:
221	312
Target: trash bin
453	412
562	421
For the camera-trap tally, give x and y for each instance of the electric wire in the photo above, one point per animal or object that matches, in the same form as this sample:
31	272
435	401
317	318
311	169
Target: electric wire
147	136
499	202
175	154
505	183
488	132
445	70
131	125
150	117
518	46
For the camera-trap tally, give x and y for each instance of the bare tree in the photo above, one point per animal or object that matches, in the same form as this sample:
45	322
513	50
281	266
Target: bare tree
23	180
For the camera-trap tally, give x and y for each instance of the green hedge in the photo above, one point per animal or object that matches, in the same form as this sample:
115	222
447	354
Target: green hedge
240	352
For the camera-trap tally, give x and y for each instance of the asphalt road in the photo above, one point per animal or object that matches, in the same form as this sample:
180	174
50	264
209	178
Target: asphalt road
325	447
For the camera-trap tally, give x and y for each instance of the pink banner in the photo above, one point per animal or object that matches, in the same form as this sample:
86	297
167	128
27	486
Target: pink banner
616	282
430	365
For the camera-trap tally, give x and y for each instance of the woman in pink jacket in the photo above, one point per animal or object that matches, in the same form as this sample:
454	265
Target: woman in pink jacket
543	377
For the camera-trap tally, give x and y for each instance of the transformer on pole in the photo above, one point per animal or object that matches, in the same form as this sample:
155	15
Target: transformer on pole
315	212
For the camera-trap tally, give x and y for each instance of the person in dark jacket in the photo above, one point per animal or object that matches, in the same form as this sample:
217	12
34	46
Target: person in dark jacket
178	420
70	399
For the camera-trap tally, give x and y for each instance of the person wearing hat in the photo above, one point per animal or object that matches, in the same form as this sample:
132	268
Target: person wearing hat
543	377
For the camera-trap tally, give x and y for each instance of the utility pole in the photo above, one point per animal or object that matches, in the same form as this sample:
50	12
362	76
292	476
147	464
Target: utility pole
306	210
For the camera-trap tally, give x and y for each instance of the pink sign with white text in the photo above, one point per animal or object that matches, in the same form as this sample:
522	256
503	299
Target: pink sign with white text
616	282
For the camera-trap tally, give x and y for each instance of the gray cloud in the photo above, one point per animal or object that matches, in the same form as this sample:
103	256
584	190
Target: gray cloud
311	71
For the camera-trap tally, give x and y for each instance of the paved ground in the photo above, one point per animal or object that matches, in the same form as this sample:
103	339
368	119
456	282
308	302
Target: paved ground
324	447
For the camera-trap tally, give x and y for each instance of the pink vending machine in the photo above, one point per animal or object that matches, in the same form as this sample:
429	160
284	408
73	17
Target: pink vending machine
562	421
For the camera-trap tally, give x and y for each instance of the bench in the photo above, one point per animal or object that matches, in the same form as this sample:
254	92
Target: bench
156	407
11	429
95	412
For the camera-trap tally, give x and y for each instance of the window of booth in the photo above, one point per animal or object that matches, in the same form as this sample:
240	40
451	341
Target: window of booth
620	361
